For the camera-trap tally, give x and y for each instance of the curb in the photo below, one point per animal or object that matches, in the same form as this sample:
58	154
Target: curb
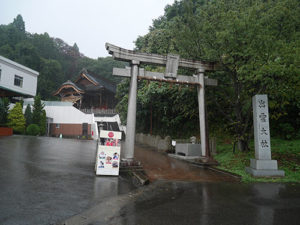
210	166
236	176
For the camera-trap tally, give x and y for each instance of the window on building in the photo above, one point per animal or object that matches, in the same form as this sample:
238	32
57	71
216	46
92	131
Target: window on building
18	81
57	125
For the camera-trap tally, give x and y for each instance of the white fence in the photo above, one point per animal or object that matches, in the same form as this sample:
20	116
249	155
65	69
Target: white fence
99	111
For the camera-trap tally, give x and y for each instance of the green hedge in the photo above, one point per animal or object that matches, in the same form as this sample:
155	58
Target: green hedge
33	130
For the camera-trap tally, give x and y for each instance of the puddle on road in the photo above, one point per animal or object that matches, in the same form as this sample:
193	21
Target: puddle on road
159	166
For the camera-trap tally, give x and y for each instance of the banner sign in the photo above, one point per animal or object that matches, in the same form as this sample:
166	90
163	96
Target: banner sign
108	153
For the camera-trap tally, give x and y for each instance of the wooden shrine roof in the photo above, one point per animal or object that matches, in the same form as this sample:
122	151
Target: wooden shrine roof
96	84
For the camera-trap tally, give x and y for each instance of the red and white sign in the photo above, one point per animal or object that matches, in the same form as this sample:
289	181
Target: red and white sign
110	134
108	153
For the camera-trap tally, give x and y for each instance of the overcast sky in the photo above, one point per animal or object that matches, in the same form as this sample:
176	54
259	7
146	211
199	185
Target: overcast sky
89	23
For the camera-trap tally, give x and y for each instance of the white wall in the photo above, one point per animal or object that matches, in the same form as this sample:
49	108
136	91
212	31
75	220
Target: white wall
68	114
71	115
8	71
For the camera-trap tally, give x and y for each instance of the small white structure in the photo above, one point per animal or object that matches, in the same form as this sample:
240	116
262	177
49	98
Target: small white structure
66	120
16	79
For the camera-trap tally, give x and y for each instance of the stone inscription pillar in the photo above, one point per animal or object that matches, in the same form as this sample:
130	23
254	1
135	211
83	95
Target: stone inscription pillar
262	165
201	105
261	127
128	153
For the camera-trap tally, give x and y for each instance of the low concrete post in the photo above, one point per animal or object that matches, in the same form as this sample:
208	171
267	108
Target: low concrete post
212	144
128	151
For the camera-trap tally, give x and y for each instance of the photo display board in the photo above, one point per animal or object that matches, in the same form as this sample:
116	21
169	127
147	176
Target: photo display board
108	153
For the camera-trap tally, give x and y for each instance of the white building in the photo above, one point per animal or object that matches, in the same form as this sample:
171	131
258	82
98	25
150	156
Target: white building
66	120
16	79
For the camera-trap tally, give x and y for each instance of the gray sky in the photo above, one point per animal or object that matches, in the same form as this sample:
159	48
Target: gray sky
89	23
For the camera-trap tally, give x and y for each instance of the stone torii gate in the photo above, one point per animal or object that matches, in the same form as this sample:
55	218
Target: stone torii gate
172	62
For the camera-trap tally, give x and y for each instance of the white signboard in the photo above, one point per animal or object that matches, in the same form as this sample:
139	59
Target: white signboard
108	153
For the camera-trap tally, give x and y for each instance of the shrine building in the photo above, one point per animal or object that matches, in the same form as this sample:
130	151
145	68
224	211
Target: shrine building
90	107
89	93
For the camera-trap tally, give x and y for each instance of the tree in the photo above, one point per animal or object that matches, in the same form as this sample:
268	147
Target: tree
51	77
26	54
167	108
4	103
252	41
102	67
16	119
43	122
7	51
45	46
28	115
76	49
19	23
39	114
256	44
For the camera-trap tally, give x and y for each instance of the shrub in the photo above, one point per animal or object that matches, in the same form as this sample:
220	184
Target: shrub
16	119
33	130
287	131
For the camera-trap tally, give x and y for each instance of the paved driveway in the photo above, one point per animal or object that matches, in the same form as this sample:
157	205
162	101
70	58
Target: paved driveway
45	180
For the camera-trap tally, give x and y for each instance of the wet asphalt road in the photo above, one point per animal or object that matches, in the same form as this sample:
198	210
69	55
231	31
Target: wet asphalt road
189	203
45	180
186	195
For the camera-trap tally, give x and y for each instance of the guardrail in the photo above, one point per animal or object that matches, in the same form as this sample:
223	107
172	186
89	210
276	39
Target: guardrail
99	111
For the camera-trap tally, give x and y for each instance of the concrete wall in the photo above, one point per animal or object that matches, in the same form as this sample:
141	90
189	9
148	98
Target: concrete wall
70	121
161	144
8	71
68	114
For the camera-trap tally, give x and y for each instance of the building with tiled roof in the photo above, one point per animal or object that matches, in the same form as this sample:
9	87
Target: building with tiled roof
89	92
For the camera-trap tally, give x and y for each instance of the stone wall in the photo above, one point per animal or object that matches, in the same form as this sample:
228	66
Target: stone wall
154	141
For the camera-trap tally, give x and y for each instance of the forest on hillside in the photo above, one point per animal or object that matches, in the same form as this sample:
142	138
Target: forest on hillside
255	42
54	59
257	45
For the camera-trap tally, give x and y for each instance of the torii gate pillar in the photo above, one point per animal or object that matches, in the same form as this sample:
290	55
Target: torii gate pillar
201	106
128	153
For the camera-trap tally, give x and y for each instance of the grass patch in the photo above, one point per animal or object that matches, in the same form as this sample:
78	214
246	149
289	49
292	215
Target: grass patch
286	152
